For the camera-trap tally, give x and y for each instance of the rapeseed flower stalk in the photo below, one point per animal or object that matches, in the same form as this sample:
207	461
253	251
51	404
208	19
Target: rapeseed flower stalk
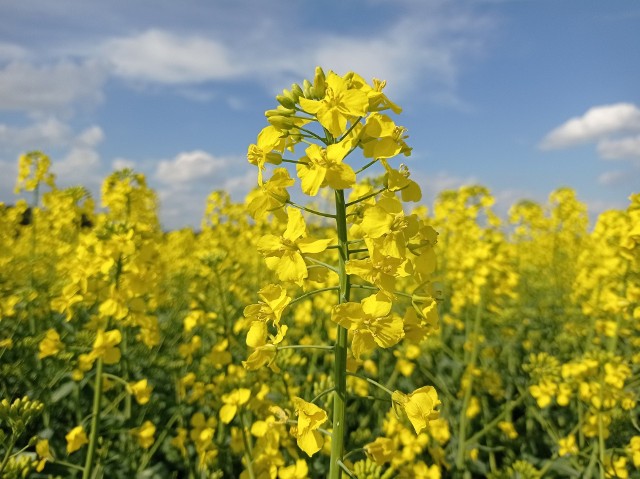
376	242
535	360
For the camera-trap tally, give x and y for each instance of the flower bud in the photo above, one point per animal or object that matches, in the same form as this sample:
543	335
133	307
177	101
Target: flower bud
281	122
296	91
306	86
280	111
286	100
319	83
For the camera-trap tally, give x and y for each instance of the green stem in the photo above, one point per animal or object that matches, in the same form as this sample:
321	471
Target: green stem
306	346
353	125
372	381
115	378
366	197
340	363
309	210
462	429
124	348
323	393
223	304
491	424
367	166
321	263
295	162
65	464
354	452
601	445
95	422
346	470
314	135
158	442
247	447
311	293
7	454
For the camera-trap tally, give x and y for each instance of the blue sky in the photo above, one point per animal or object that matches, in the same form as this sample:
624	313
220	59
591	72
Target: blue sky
520	96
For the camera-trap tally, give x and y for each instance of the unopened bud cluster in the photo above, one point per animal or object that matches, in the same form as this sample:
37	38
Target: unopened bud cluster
19	413
284	115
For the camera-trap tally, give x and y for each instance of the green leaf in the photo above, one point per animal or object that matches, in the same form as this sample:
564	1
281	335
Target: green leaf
63	391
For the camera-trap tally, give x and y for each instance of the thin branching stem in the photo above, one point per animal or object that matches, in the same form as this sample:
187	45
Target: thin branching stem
366	197
371	381
372	162
309	210
311	293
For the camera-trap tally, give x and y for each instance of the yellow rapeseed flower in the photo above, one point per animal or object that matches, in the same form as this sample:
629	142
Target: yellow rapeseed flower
567	446
43	452
105	346
633	449
141	390
283	254
419	406
232	402
299	470
310	418
381	450
339	105
324	167
50	345
371	321
145	434
271	196
76	438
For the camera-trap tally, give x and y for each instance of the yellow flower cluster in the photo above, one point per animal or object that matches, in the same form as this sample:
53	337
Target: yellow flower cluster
350	333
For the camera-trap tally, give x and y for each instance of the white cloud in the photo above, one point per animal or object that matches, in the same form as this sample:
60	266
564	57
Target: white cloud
165	57
81	164
597	123
8	180
432	185
421	49
11	51
122	163
595	207
183	199
239	186
180	208
40	135
187	167
46	88
420	54
612	178
617	148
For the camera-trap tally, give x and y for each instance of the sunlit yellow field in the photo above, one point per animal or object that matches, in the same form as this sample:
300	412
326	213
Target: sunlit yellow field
362	334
